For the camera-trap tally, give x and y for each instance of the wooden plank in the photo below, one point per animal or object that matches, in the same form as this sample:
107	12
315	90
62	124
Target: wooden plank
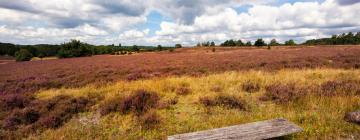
251	131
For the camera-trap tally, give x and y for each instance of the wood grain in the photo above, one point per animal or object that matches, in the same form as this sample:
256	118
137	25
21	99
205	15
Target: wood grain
251	131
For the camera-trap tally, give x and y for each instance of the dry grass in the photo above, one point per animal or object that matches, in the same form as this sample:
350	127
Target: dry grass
320	116
29	77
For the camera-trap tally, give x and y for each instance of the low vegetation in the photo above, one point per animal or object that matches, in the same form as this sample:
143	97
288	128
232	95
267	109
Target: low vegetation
152	109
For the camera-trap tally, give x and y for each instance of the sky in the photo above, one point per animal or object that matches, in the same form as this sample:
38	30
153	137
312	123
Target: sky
168	22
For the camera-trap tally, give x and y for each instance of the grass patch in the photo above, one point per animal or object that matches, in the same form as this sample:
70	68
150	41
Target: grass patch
296	95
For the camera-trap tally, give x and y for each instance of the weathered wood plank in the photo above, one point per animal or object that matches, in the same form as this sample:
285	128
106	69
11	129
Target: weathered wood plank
251	131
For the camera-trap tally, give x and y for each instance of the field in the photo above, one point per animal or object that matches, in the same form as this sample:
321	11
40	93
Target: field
152	95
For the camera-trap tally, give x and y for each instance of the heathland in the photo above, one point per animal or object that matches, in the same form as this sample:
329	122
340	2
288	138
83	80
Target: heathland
155	94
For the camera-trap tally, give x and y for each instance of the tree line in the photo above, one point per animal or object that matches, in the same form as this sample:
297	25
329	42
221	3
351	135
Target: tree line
73	48
342	39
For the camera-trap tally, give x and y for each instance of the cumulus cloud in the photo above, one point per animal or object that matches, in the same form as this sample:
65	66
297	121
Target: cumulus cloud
188	21
347	2
300	21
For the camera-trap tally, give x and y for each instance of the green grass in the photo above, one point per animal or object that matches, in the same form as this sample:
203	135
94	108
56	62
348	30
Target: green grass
320	116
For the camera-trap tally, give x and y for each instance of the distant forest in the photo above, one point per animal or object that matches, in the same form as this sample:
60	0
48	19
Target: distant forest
75	48
342	39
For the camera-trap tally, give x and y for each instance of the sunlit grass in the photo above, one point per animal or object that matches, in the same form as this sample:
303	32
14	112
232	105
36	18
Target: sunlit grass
320	116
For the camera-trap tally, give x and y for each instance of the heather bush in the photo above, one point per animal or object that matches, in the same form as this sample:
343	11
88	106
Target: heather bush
183	90
347	87
251	87
150	119
229	101
41	114
139	102
283	93
11	101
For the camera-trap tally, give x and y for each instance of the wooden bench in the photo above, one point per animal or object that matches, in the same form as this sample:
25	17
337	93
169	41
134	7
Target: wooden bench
251	131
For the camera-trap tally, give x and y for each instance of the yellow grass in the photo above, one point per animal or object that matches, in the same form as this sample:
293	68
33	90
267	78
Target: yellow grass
321	117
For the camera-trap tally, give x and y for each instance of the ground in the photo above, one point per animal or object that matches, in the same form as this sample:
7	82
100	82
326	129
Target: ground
190	90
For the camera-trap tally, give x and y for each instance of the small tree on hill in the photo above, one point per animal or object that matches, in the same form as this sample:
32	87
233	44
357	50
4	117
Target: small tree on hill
212	43
23	55
273	42
290	42
248	43
239	43
260	42
135	48
178	46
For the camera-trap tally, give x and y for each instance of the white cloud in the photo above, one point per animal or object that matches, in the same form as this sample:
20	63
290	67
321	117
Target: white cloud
134	34
104	21
299	21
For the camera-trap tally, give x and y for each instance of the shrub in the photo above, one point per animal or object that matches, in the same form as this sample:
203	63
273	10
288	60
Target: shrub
143	100
178	46
11	101
150	119
23	55
110	106
260	42
250	87
140	102
183	90
216	88
283	93
229	101
333	88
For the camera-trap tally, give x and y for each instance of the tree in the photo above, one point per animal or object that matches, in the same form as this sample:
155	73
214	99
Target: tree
41	55
74	48
159	48
239	43
23	55
260	42
248	43
273	42
135	48
290	42
198	44
178	46
212	43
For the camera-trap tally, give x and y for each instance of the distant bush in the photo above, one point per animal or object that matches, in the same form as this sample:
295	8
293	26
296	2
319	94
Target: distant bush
178	46
74	48
23	55
283	93
229	101
260	42
290	42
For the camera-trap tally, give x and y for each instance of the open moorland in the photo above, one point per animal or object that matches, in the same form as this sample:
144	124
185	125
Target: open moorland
25	77
155	94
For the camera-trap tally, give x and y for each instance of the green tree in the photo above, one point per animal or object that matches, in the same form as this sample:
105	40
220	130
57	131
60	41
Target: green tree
23	55
212	43
135	48
159	48
273	42
290	42
74	48
239	43
248	43
260	42
178	46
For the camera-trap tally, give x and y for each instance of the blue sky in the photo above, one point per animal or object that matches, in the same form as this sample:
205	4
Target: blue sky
168	22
